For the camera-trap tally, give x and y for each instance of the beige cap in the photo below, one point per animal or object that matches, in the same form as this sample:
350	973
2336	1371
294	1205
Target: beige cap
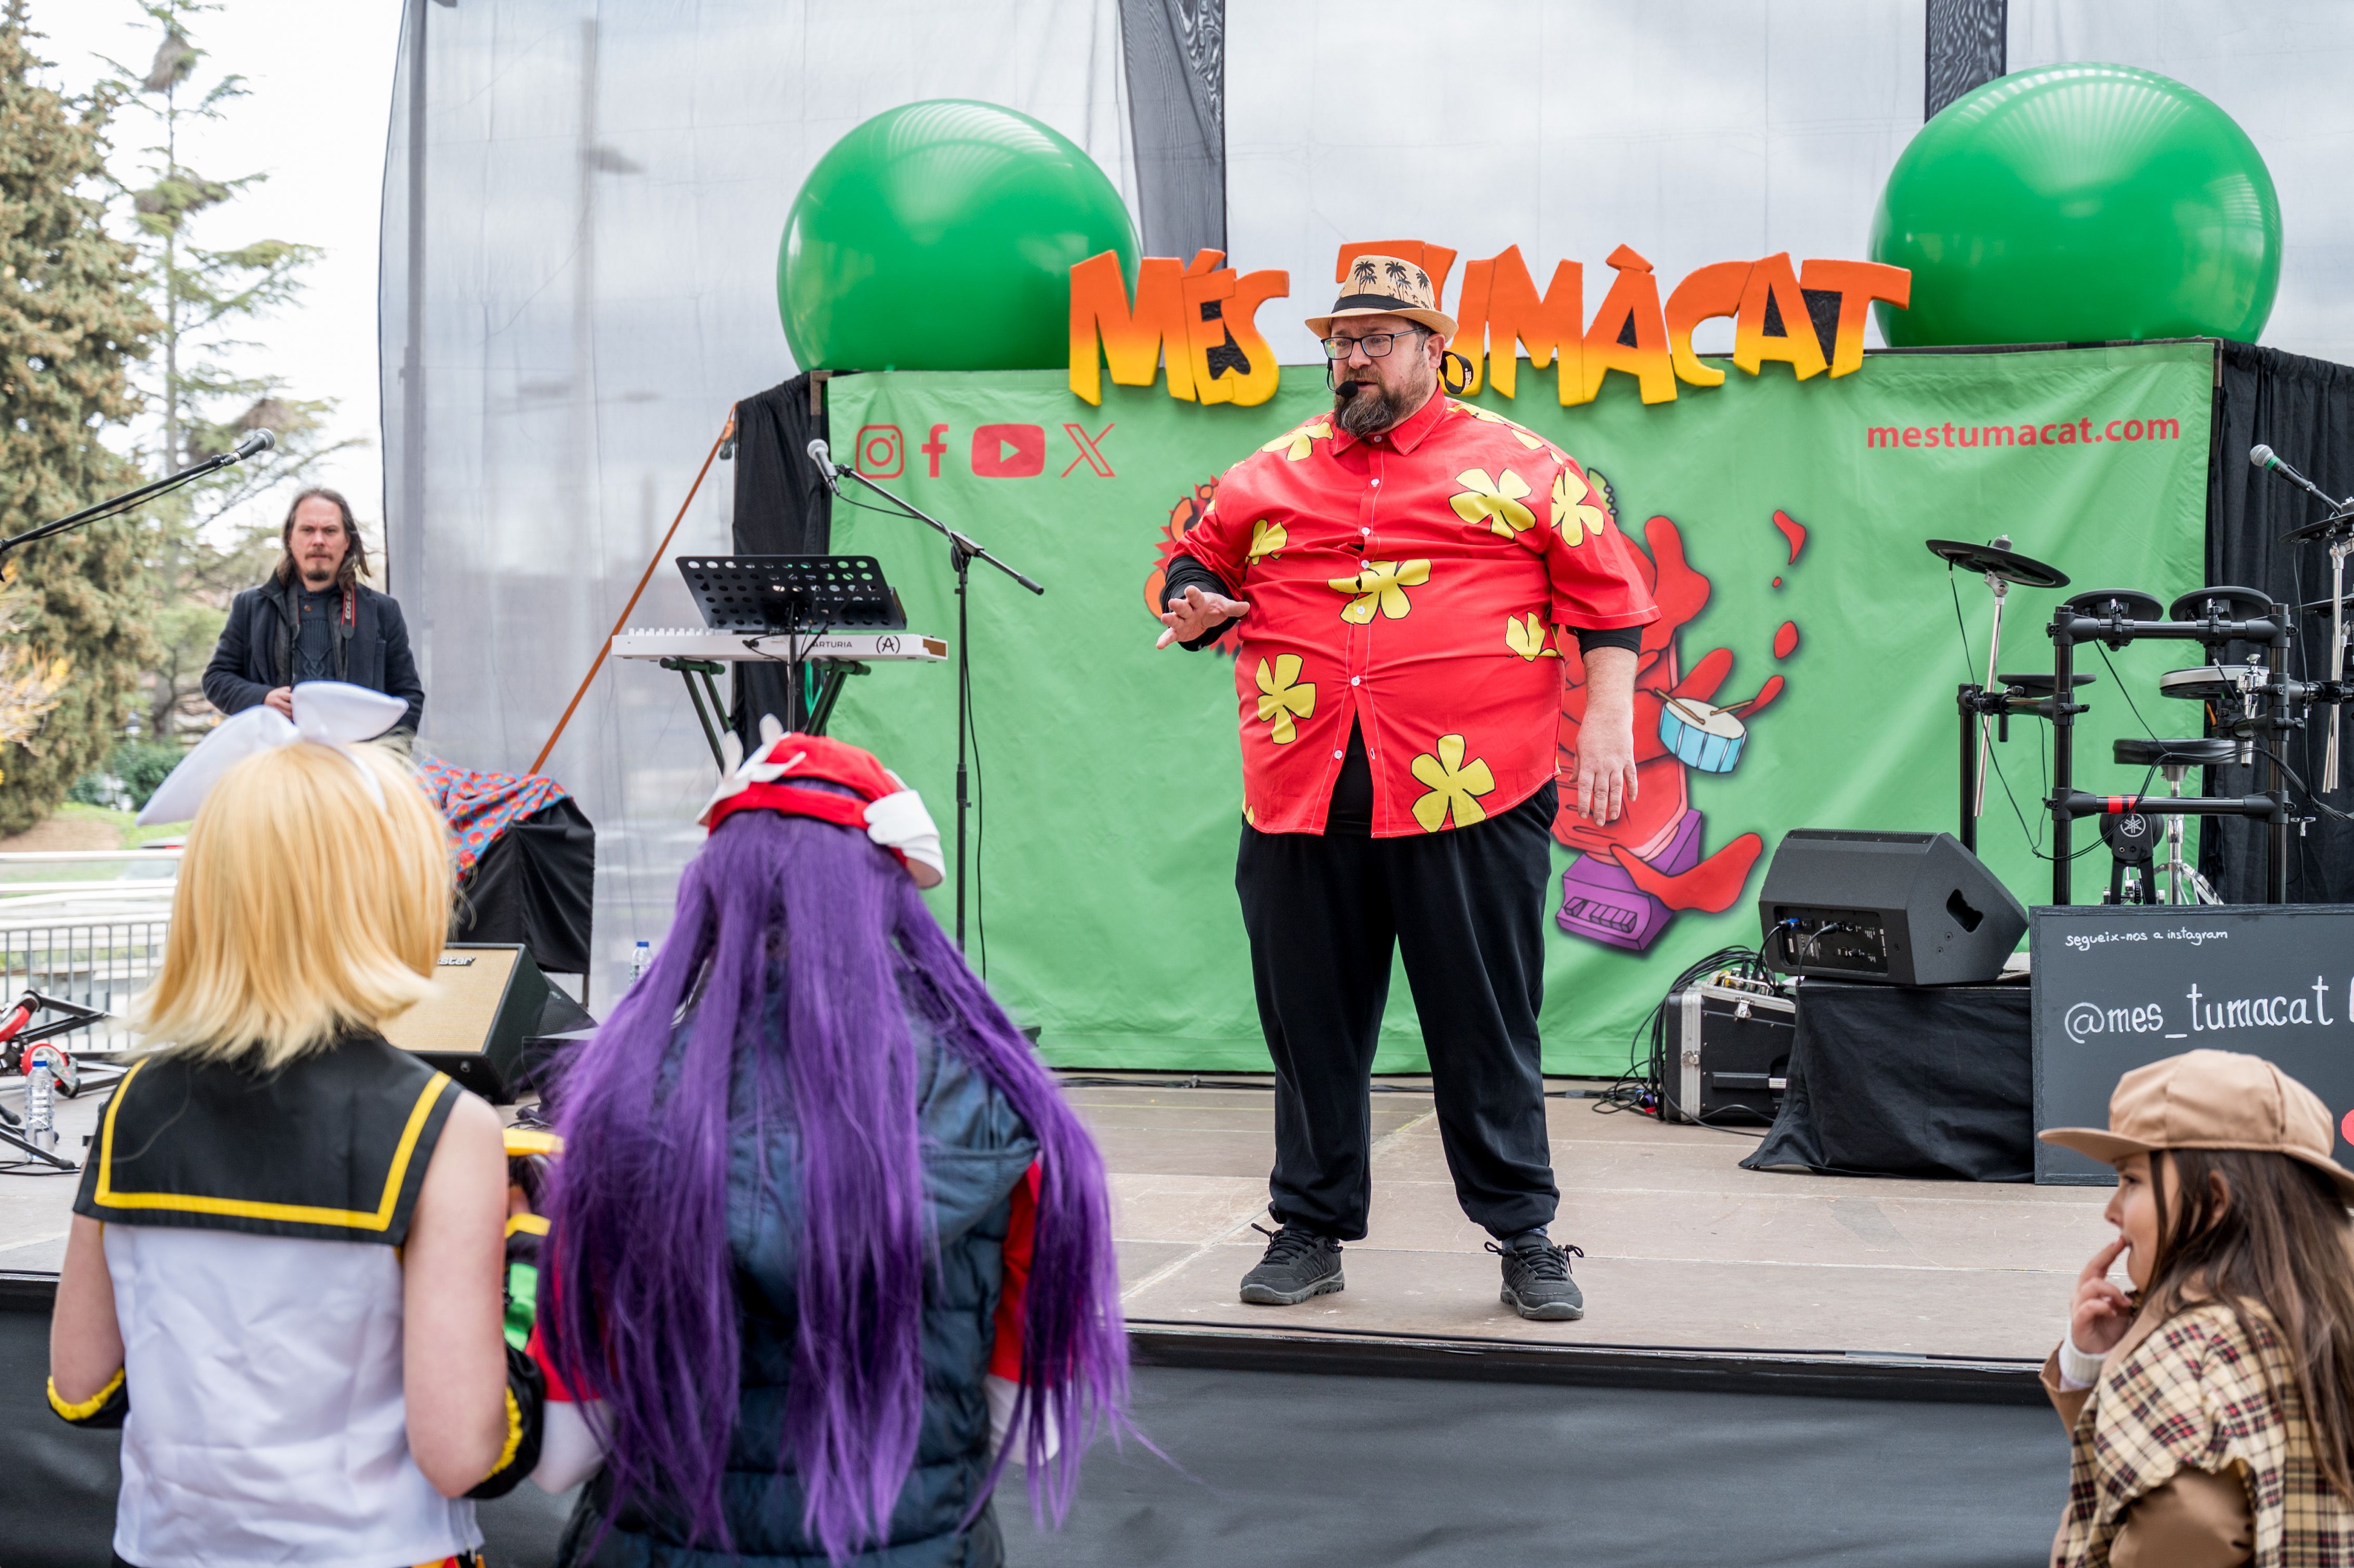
2213	1099
1387	286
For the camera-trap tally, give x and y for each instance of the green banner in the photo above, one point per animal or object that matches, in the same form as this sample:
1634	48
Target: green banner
1107	786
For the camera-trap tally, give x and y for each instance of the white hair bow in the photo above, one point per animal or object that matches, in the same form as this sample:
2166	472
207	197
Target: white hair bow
331	712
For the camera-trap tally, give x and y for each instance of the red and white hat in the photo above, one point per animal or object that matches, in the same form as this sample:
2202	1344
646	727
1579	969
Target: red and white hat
882	806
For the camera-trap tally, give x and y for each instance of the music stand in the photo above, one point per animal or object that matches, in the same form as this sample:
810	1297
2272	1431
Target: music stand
767	595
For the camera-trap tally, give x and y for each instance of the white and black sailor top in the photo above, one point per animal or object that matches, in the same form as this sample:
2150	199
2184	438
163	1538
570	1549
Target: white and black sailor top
254	1223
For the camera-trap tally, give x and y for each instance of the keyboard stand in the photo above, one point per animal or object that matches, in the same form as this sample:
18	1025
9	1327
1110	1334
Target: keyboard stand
720	717
688	669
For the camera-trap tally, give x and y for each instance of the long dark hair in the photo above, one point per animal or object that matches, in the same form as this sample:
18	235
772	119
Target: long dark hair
354	565
2273	1233
642	1303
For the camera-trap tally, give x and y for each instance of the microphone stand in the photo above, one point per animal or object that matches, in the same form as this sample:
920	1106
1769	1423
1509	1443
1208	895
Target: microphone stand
963	553
130	498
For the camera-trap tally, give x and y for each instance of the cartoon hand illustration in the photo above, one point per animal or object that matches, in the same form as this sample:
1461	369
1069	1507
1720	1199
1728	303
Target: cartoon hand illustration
1638	874
1682	593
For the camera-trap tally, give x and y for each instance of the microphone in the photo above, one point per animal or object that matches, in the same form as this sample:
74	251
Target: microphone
822	455
1346	391
2263	457
253	445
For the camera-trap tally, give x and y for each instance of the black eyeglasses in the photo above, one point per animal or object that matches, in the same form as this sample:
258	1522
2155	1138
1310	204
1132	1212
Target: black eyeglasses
1376	344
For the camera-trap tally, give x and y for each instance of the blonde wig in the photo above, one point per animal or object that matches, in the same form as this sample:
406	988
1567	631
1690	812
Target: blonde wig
306	909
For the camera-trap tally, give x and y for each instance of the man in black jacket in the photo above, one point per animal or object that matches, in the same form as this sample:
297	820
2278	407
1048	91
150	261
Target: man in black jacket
313	621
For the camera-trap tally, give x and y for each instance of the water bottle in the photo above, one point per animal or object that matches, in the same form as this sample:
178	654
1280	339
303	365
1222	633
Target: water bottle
642	958
40	1105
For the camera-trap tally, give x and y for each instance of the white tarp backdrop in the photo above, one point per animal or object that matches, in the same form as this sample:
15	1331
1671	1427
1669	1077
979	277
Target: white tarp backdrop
583	202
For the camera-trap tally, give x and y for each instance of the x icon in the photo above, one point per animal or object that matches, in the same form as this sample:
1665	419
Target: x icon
1089	453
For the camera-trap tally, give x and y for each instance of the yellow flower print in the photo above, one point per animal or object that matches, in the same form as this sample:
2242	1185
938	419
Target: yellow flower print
1297	444
1577	510
1281	698
1382	585
1495	502
1526	637
1528	439
1453	787
1267	538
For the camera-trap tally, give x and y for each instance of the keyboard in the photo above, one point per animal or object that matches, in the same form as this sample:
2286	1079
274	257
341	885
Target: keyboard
740	648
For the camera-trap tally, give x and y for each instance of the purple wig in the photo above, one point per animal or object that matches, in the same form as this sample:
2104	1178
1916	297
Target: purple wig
642	1307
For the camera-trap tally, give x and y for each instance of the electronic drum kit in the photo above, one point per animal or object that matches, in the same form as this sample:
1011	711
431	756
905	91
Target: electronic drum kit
2247	705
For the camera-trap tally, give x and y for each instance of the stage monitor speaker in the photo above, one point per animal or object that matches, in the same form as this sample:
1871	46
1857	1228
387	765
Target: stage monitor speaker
489	1002
1906	908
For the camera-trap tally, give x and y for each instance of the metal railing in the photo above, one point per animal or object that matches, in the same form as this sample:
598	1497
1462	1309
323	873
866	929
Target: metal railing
98	941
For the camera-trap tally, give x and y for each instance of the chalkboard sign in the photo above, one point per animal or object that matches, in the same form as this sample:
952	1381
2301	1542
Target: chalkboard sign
2118	987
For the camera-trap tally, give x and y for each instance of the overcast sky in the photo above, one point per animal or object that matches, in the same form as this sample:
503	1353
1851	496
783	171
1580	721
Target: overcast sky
320	77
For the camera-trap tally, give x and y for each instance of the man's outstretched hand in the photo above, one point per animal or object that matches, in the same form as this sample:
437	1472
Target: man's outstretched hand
1197	615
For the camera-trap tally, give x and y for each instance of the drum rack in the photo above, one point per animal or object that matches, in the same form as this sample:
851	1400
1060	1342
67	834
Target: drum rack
2211	616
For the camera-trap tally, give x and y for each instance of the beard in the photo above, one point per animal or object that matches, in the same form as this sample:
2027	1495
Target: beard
1378	405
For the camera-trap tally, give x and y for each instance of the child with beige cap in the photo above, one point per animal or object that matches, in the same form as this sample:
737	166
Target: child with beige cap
2211	1407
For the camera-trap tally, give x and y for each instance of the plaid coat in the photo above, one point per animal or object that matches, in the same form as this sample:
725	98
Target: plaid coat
2196	1389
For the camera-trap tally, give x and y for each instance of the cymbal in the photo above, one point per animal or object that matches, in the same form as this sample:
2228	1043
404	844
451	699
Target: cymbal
2009	565
2336	523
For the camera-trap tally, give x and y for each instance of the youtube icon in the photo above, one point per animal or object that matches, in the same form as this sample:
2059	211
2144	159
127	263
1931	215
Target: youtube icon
1009	451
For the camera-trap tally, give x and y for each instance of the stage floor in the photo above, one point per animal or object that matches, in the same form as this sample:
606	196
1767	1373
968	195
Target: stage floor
1684	1249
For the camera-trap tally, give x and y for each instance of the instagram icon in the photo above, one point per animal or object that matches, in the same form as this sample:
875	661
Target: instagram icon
882	451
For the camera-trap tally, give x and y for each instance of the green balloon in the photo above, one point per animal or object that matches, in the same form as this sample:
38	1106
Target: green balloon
939	236
2077	204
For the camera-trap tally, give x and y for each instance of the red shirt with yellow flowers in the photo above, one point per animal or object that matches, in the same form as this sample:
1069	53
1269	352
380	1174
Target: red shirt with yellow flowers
1411	584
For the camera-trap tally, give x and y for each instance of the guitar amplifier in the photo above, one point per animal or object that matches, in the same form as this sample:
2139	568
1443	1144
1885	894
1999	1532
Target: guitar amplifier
1729	1053
488	1001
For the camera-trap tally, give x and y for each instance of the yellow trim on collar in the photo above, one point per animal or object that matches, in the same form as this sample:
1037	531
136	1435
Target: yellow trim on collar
252	1209
531	1140
84	1409
536	1224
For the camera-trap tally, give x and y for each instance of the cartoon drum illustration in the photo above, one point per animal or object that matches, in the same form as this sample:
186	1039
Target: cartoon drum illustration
1702	734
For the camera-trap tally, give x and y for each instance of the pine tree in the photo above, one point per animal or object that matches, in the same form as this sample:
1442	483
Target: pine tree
71	321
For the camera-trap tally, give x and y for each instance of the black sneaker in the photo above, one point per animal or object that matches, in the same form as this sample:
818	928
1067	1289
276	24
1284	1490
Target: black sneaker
1536	1278
1298	1264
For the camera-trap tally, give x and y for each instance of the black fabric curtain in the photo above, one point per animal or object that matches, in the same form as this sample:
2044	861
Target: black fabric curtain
1174	52
2304	409
783	508
1966	44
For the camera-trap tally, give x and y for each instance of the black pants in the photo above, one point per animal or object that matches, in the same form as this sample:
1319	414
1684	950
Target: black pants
1465	910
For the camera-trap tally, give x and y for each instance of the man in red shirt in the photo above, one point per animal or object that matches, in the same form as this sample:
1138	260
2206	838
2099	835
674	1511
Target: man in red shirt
1400	571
